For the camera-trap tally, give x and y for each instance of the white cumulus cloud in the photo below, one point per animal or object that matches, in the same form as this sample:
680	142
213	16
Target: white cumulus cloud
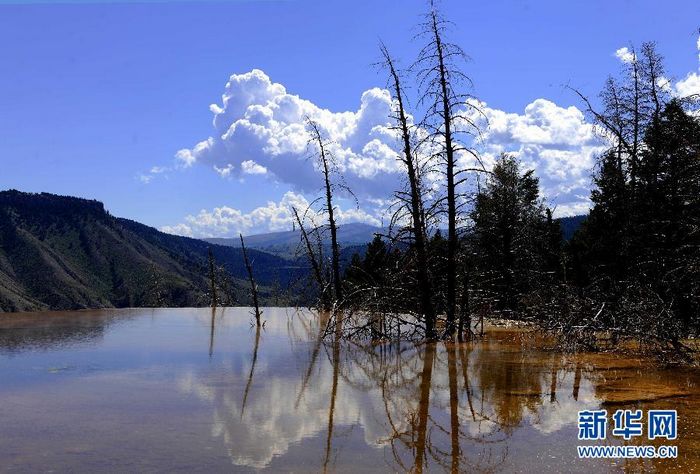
624	55
260	128
557	142
224	171
251	167
690	84
226	221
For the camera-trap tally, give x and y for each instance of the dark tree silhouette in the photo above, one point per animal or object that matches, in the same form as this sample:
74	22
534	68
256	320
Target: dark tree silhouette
449	115
315	262
253	285
413	200
512	234
327	163
635	259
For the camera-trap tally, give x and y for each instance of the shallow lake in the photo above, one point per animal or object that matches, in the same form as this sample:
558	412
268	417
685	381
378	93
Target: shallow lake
188	390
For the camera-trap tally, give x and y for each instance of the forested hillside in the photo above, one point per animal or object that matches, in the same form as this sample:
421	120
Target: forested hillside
61	252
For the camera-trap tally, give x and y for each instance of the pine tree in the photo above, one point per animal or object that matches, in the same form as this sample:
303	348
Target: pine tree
514	241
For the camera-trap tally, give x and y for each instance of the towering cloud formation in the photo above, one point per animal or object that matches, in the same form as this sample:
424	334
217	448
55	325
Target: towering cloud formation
259	129
556	142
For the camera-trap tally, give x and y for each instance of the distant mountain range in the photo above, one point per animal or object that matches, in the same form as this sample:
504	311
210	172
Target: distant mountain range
286	243
59	252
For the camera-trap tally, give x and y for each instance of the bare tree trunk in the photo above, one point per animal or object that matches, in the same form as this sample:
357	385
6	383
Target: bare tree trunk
464	309
212	280
315	265
253	286
416	204
636	126
451	194
335	260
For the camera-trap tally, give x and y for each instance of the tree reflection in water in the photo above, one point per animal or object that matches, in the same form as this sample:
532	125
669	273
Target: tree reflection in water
444	406
431	419
254	359
177	385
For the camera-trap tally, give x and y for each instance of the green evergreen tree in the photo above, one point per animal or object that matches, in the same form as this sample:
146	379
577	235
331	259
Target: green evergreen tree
514	241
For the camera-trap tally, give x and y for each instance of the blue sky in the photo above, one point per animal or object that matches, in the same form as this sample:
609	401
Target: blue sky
97	98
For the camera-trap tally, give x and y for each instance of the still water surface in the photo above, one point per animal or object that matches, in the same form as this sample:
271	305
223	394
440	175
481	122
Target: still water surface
194	391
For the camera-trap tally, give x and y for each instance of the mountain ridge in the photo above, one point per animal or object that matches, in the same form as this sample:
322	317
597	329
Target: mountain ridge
62	252
284	243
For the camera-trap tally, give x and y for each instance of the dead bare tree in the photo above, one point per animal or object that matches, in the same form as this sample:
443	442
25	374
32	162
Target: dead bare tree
226	287
327	163
630	104
315	263
253	286
450	114
414	200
